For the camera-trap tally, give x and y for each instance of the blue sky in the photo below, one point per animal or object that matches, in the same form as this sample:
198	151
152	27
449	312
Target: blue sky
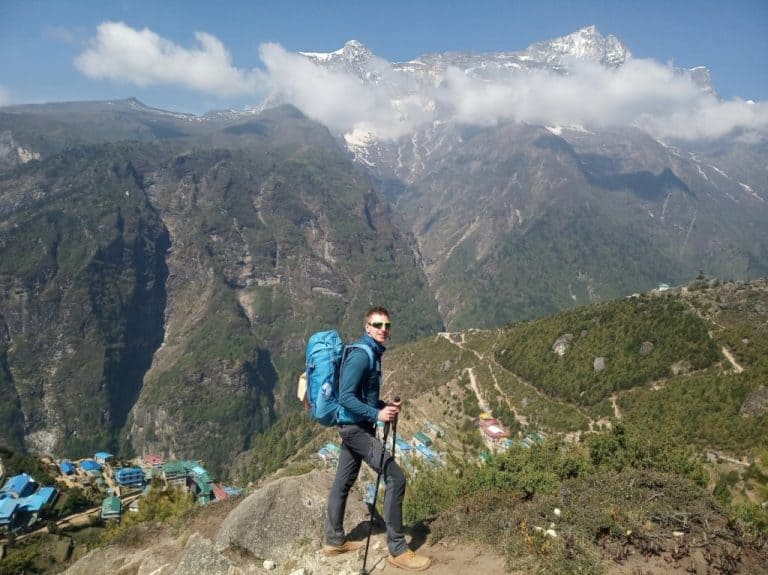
41	39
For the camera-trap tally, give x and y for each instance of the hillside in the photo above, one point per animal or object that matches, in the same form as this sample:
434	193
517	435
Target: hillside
571	371
155	293
160	272
652	459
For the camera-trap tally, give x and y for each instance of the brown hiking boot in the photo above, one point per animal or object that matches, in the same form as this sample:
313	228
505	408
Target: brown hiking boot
410	561
346	547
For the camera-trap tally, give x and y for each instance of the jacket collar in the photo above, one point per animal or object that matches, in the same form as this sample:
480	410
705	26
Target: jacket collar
373	344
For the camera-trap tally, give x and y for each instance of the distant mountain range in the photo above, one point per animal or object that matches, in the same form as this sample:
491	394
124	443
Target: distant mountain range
515	219
159	272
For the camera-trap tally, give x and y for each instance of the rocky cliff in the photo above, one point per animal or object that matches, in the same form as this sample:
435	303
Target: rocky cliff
156	296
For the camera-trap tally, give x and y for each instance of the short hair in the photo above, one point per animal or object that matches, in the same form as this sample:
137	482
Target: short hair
376	310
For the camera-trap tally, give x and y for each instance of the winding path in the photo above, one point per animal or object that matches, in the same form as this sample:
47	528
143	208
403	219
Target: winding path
736	367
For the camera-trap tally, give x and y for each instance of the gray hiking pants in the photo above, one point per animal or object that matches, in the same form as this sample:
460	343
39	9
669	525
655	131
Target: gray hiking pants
358	444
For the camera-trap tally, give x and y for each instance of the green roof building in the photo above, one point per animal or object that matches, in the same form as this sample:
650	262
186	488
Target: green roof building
111	508
422	438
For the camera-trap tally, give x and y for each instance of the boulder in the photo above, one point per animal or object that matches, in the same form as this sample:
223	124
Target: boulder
270	522
200	556
562	343
598	364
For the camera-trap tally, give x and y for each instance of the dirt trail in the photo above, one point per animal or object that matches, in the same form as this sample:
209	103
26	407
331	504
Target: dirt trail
493	366
449	557
473	384
736	367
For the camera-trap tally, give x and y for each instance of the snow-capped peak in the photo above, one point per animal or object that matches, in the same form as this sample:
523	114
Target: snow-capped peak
584	44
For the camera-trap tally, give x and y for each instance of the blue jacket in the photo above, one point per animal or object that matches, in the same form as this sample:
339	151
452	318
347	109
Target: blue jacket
360	385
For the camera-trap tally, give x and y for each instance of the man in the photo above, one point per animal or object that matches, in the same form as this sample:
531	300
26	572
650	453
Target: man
360	409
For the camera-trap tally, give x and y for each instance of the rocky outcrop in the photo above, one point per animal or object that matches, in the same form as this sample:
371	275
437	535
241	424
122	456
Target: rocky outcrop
200	556
756	404
291	510
562	343
155	297
277	528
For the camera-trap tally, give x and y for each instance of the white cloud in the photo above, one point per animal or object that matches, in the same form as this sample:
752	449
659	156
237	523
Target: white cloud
141	57
5	96
641	93
338	100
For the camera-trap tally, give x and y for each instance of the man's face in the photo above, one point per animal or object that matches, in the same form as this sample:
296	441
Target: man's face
377	327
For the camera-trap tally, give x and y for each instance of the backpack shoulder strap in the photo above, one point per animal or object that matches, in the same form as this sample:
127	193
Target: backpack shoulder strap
368	351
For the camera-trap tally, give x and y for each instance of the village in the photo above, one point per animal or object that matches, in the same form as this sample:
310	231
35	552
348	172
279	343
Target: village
120	485
25	504
421	448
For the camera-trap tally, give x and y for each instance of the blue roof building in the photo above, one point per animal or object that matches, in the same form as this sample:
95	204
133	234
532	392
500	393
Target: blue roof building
8	508
34	503
130	476
20	485
402	445
422	439
232	491
102	456
89	465
67	467
426	452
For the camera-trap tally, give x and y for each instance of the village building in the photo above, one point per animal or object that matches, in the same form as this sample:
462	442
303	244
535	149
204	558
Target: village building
111	508
427	455
191	476
329	454
154	460
200	483
22	500
402	446
219	492
420	438
435	430
174	473
494	432
101	457
91	467
43	496
19	486
130	476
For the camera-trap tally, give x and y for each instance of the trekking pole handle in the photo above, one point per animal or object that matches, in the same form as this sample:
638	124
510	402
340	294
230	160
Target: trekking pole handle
396	401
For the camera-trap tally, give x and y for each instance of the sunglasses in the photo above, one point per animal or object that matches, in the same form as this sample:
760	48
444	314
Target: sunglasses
380	324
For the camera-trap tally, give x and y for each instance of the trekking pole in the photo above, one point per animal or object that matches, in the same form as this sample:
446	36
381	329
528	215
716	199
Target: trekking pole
363	571
394	426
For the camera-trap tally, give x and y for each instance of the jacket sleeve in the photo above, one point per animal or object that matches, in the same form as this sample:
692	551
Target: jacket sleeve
352	375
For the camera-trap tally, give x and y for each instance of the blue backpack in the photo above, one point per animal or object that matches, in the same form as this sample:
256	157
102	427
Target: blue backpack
325	355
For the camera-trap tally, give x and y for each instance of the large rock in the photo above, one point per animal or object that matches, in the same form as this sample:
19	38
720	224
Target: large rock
159	558
756	404
273	520
200	556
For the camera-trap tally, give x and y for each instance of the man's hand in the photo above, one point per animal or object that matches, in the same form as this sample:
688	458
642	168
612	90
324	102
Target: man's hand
389	413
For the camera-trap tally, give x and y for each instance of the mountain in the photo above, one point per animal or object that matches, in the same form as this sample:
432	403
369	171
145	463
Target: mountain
518	219
156	293
585	44
160	272
637	430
